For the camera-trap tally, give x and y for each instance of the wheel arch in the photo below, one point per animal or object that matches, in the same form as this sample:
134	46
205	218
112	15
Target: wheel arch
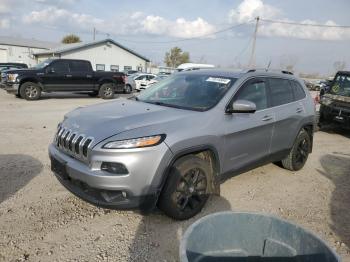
206	152
30	79
309	128
106	80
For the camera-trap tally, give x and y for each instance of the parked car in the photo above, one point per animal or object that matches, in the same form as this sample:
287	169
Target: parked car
309	85
174	143
7	66
156	80
193	66
325	86
130	85
142	80
335	103
56	75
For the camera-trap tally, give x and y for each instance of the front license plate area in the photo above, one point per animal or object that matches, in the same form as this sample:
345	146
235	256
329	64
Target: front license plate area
59	168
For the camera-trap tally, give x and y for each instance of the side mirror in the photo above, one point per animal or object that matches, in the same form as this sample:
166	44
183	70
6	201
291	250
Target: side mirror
241	106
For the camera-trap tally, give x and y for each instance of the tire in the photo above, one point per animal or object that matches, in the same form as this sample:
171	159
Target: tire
186	189
106	91
127	89
299	153
30	91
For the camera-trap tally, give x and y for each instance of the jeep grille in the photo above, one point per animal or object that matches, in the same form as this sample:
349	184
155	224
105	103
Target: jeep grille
72	143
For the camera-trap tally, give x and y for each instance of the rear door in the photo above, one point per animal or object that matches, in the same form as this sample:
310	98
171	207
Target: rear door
80	76
54	79
289	113
248	135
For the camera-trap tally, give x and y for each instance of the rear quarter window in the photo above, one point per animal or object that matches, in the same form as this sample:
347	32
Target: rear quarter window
281	91
299	92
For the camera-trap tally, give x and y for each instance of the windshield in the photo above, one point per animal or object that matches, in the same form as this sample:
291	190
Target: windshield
198	92
341	85
42	64
160	77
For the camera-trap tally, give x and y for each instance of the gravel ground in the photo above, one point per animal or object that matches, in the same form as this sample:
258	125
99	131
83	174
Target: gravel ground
41	221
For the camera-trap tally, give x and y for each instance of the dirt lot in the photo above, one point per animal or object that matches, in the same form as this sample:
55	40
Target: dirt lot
41	221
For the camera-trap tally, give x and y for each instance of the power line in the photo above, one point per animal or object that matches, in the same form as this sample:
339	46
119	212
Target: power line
181	40
303	24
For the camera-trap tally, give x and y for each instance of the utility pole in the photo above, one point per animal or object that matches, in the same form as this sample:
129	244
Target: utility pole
252	56
94	34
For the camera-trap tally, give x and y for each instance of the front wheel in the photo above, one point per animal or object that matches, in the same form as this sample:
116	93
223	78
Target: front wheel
186	189
106	91
299	153
30	91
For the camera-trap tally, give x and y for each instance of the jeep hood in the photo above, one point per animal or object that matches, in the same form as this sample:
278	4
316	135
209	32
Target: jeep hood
339	98
108	119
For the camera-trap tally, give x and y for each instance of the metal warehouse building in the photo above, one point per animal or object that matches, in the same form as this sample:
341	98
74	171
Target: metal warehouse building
106	55
20	50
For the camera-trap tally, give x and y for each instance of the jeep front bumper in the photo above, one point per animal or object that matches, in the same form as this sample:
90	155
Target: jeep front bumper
138	189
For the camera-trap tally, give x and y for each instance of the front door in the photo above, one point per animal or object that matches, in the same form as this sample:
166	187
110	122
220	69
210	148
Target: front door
55	77
248	135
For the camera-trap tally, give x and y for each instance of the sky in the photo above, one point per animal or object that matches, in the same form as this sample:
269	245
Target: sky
152	27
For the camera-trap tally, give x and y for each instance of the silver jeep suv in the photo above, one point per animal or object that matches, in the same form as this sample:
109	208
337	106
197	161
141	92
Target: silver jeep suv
173	144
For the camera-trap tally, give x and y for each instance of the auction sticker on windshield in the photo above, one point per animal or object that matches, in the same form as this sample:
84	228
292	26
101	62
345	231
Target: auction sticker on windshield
224	81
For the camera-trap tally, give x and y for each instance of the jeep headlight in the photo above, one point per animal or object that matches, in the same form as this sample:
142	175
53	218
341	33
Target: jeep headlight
135	142
12	77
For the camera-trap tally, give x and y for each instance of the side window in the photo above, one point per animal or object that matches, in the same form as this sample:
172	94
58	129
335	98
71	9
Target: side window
298	91
60	67
281	91
141	77
114	68
79	66
100	67
254	91
127	68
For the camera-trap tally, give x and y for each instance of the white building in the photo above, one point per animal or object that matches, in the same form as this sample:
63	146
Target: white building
106	55
20	50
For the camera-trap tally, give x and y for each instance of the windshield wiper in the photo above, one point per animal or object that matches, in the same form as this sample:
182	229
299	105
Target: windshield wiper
165	104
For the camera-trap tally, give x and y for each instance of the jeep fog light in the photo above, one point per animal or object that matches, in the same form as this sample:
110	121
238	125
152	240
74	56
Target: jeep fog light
114	168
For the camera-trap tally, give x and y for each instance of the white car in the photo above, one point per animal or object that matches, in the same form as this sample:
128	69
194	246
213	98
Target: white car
157	79
142	80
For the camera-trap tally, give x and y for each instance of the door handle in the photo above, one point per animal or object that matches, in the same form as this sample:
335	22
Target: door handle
299	110
267	118
68	75
88	76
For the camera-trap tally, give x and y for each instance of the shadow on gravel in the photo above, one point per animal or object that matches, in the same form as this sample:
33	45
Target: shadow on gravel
158	237
331	129
15	172
337	169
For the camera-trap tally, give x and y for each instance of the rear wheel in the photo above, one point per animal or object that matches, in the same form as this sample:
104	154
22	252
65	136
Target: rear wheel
30	91
106	91
299	153
186	190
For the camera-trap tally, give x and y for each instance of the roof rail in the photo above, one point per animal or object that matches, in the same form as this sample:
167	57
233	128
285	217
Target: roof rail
269	70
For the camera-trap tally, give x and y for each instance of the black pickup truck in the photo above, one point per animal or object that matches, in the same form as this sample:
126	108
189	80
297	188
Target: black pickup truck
62	75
